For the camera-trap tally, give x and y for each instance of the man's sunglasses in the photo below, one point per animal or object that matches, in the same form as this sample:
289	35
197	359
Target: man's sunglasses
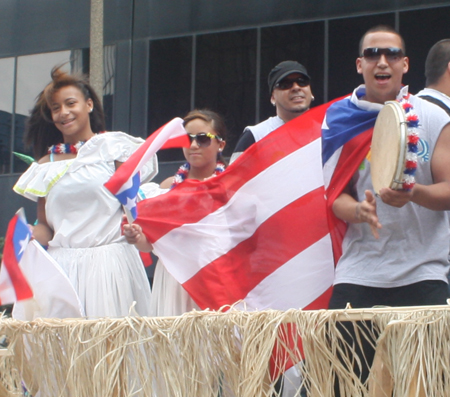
286	84
374	53
203	139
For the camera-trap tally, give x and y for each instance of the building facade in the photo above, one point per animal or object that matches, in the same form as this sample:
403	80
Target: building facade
163	59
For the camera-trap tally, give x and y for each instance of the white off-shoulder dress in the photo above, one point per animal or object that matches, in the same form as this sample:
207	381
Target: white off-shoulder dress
106	272
169	298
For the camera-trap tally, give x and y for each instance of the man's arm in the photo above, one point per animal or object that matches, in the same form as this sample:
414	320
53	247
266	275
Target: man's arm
345	207
436	196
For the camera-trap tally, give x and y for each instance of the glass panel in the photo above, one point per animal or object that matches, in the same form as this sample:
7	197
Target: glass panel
344	36
303	43
169	85
419	41
6	110
109	73
33	73
226	79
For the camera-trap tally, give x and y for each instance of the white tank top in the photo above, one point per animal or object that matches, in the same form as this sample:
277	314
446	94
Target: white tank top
413	244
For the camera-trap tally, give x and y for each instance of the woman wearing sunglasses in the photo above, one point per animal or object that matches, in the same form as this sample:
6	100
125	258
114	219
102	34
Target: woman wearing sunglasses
207	133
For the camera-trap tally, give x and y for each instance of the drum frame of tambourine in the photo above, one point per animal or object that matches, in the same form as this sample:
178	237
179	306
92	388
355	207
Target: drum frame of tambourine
379	145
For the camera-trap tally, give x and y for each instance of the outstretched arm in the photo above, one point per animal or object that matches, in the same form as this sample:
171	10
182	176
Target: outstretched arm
436	196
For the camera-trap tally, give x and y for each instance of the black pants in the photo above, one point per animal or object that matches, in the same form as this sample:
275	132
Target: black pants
431	292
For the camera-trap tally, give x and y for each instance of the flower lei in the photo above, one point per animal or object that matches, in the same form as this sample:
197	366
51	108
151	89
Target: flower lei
65	148
412	122
183	172
61	148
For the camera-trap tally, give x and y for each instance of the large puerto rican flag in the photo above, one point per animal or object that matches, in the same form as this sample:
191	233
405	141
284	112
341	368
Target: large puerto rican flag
257	234
346	138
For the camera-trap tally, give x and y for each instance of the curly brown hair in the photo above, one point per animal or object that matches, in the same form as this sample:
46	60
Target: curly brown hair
40	131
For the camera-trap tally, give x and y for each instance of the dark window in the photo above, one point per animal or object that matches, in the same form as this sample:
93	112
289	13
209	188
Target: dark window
20	165
169	85
225	79
303	43
5	133
109	78
6	109
344	36
419	40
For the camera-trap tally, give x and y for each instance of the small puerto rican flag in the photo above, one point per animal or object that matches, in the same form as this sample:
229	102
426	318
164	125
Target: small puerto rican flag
124	184
13	284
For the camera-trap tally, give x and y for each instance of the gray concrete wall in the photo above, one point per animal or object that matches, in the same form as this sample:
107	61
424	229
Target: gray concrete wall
155	18
30	26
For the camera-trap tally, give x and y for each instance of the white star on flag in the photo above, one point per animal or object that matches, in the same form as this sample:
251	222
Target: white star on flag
131	203
23	244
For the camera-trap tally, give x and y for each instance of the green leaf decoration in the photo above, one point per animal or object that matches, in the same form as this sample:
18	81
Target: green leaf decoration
24	157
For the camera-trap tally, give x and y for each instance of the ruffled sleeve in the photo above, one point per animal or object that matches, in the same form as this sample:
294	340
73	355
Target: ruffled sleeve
106	148
149	190
38	179
115	146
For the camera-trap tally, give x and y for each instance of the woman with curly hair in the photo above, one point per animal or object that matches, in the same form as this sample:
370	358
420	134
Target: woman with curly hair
78	219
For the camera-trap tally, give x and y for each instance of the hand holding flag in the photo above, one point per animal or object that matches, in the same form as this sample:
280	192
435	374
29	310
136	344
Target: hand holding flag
124	184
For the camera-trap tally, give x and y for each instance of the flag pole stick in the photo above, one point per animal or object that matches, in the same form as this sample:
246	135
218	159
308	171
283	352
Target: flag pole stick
128	215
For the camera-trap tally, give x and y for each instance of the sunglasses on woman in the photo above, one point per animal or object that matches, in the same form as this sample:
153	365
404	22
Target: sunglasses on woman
286	84
203	139
374	53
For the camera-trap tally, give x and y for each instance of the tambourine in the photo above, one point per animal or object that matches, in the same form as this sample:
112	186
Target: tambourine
393	159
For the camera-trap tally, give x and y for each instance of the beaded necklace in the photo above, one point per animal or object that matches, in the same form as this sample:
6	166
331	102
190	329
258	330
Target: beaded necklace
183	172
60	148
